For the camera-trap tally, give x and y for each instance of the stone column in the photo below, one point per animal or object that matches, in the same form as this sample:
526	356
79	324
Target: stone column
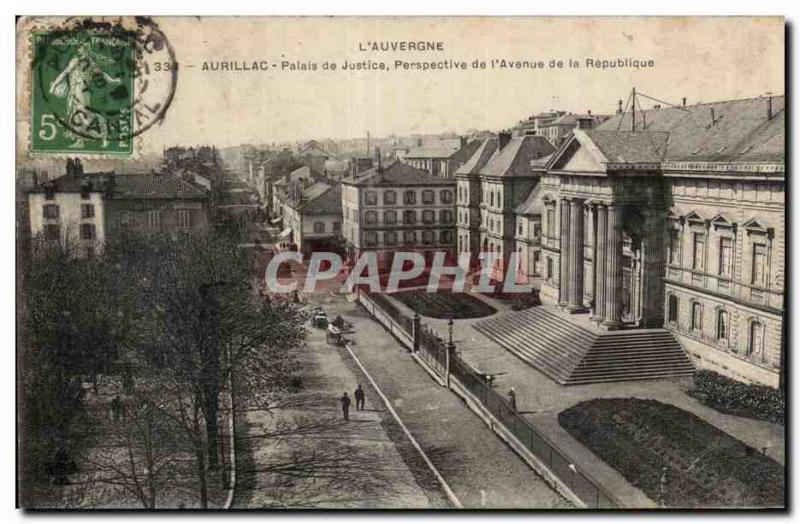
613	291
653	266
600	242
576	254
563	246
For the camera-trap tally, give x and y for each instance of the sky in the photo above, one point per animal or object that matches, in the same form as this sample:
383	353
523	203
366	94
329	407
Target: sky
702	59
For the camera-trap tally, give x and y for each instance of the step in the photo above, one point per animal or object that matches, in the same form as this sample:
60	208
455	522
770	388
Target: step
648	377
538	354
629	370
562	342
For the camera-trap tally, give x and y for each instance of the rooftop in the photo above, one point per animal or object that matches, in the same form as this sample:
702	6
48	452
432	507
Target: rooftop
731	130
515	158
128	186
397	173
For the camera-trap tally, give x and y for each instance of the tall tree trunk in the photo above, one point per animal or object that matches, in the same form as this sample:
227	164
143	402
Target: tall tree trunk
201	460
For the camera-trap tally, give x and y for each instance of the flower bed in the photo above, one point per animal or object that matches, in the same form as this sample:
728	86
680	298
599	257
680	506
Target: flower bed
737	398
705	467
444	304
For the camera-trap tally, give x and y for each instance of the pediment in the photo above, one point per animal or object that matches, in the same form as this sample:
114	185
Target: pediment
580	155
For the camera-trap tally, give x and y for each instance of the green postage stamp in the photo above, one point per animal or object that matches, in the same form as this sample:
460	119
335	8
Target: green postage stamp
83	93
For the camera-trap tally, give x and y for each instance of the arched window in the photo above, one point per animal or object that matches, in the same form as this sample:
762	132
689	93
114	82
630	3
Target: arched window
672	309
697	316
755	343
723	323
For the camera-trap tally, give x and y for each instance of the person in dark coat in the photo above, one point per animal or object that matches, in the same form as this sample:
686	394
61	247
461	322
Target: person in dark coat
345	401
512	398
359	394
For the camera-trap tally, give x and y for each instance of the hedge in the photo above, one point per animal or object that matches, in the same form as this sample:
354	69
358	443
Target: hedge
737	398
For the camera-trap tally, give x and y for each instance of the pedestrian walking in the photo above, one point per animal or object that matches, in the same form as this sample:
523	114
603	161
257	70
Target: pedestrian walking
512	398
345	401
359	394
116	408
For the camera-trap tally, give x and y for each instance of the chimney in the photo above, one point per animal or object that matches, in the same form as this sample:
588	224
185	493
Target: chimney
769	106
419	142
503	138
589	112
684	101
378	155
585	122
619	106
462	140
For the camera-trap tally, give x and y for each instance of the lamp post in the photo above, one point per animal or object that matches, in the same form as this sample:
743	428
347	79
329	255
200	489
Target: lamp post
449	350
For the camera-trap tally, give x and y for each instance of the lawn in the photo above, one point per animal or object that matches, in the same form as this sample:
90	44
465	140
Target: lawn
444	304
706	467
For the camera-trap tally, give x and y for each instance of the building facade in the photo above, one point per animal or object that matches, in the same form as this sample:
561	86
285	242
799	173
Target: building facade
398	207
677	220
86	209
442	158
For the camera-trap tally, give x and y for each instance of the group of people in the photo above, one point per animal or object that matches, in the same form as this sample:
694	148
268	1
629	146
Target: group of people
344	400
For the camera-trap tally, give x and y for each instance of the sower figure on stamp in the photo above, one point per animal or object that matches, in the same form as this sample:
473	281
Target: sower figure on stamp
359	394
345	401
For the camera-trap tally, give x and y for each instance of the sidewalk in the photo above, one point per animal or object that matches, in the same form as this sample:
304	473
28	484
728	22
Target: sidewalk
481	469
541	399
303	454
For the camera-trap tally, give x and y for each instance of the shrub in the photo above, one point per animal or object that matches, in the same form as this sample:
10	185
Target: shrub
737	398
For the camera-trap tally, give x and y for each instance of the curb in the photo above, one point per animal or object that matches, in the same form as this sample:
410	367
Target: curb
445	486
232	447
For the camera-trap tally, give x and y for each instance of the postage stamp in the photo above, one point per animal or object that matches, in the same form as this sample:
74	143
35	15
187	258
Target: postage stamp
95	86
82	93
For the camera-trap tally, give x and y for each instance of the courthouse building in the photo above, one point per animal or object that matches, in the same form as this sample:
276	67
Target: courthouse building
675	218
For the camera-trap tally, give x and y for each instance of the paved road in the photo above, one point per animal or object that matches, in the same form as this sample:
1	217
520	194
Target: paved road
478	466
303	454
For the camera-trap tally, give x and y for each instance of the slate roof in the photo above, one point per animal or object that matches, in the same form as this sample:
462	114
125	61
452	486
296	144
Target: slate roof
445	148
740	131
530	206
398	174
515	158
130	186
482	154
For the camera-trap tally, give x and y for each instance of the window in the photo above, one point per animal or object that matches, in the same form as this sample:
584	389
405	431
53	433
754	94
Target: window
519	229
390	217
154	219
427	237
551	222
446	216
755	341
491	198
319	227
389	198
722	324
427	196
87	211
446	196
460	194
675	247
759	270
370	238
537	230
410	197
50	211
410	237
337	227
446	236
726	257
124	219
87	232
370	217
672	309
370	198
697	316
427	216
390	238
409	216
699	251
549	269
184	218
52	232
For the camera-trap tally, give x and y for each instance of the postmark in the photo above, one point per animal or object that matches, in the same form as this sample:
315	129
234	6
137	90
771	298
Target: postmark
96	85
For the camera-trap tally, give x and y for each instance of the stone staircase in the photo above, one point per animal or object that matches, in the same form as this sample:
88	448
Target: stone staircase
573	354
